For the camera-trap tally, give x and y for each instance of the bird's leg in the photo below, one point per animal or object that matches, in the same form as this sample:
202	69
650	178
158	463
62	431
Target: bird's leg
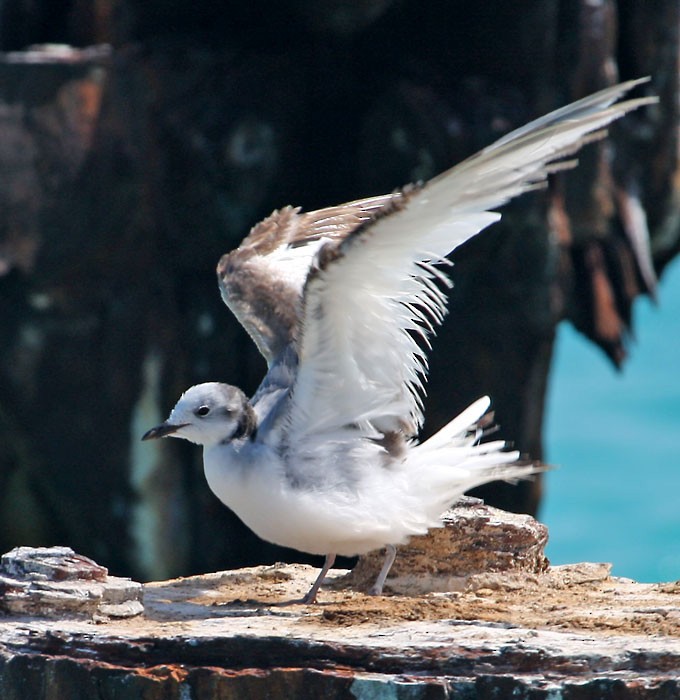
311	594
390	554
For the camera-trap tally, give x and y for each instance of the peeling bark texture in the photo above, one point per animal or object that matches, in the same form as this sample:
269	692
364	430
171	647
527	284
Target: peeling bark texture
569	631
132	161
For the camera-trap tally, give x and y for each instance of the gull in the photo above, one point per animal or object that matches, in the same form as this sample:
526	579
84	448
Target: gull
342	303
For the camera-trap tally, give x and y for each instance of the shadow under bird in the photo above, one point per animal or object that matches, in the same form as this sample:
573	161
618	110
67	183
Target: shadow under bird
342	302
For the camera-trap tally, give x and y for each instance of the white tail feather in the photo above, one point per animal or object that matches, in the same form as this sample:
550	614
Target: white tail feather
453	461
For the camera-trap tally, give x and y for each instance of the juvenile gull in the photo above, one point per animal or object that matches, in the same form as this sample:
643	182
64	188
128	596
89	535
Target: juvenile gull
342	302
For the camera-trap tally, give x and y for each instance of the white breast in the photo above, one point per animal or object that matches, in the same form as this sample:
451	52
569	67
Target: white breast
252	482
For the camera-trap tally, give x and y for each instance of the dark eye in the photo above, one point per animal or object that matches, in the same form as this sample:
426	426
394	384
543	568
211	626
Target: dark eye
202	411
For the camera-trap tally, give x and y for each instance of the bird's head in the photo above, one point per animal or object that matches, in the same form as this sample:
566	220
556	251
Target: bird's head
208	414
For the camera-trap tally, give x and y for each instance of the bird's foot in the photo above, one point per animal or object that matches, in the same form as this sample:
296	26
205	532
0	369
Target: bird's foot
309	599
305	600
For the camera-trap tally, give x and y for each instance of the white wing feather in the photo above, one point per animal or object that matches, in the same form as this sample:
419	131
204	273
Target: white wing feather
375	294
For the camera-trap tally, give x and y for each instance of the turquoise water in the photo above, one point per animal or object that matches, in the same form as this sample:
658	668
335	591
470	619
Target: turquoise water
616	439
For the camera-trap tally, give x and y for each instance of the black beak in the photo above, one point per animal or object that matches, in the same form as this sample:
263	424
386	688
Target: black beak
162	430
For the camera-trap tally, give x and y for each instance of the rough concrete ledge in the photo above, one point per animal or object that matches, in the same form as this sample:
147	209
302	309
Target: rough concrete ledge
524	632
56	582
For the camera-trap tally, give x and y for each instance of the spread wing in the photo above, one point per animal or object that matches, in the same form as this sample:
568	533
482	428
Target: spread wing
262	280
373	298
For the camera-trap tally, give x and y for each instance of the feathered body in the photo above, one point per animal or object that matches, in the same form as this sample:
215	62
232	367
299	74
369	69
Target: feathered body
327	500
342	303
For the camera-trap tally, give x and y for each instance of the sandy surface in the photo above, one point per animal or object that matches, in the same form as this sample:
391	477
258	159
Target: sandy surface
580	597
